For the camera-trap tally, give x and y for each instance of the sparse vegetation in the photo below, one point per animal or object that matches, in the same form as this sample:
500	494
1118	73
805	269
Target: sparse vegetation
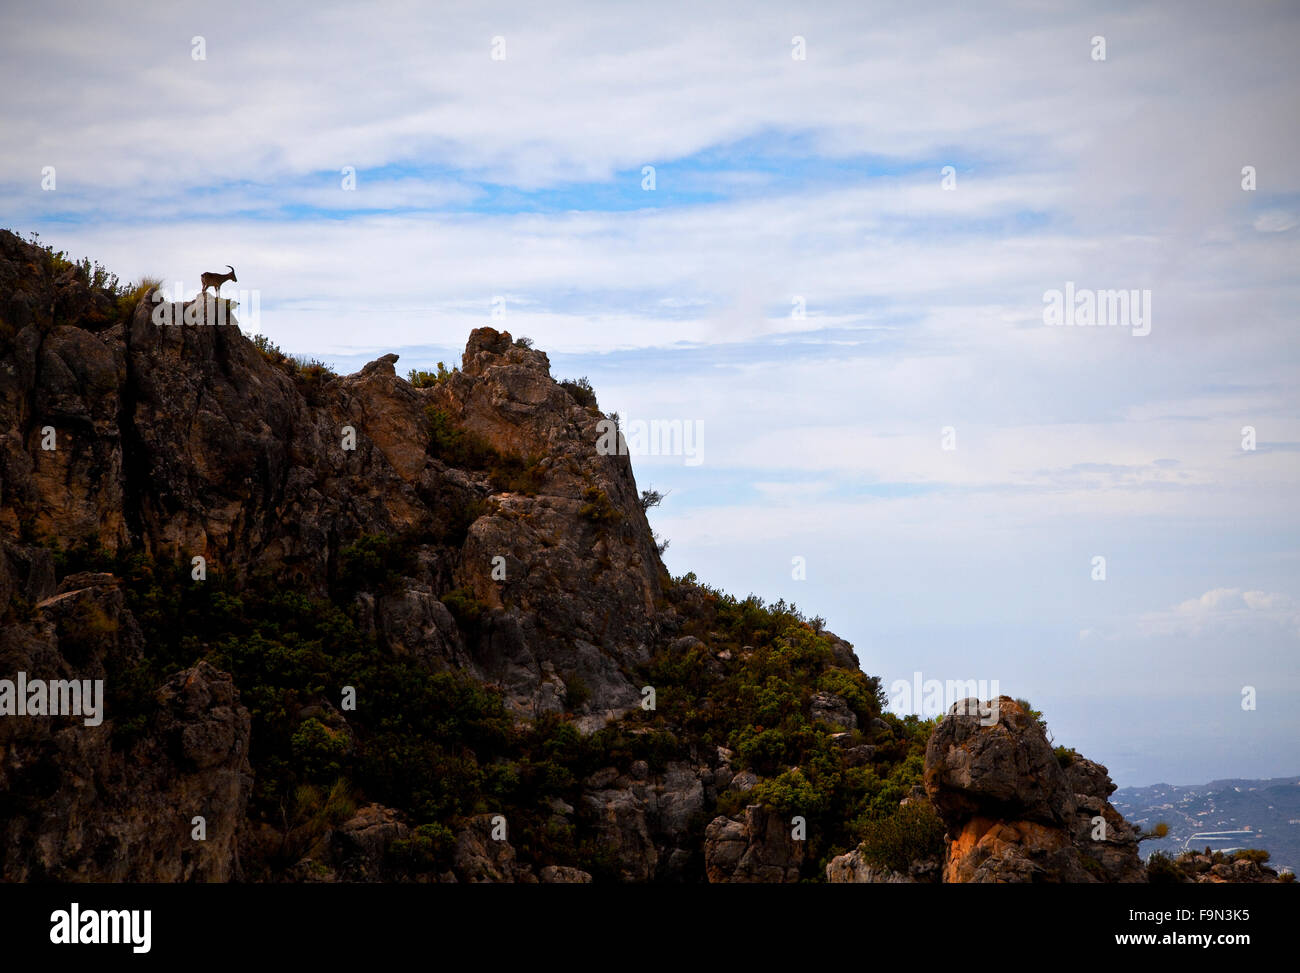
597	507
122	297
439	746
747	684
651	498
306	815
581	391
310	374
457	446
577	692
1037	717
1162	870
1256	855
269	349
464	606
133	294
424	380
910	833
1161	830
428	849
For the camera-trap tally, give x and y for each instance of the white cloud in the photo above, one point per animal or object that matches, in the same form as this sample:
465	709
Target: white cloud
1225	610
1275	221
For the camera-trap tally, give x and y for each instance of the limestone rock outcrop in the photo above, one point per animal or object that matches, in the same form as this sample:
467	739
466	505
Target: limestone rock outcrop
755	847
1013	813
183	439
853	868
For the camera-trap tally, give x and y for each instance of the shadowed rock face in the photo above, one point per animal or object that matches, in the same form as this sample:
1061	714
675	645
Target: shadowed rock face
1013	813
77	807
755	847
184	440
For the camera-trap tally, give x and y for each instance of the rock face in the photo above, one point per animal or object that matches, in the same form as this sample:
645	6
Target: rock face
1014	814
479	857
853	868
79	804
834	710
183	440
649	821
597	584
757	847
356	850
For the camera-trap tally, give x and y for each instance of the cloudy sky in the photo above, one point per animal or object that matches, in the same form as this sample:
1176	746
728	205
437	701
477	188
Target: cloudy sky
804	279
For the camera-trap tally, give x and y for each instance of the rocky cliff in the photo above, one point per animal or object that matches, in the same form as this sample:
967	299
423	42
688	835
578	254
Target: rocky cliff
184	441
360	628
234	541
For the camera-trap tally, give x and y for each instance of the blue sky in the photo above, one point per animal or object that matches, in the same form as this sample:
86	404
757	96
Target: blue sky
778	182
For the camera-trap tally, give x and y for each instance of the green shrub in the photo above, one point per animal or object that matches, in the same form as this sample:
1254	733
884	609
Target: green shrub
319	751
311	376
269	349
597	507
457	446
452	443
855	687
764	749
514	474
912	832
1094	867
423	380
133	294
577	691
791	793
464	607
428	848
581	391
99	278
375	562
1162	870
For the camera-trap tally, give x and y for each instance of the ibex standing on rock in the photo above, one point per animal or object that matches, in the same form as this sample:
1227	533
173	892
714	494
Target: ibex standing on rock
216	280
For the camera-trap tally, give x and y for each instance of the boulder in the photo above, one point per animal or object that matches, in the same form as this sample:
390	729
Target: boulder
832	710
1013	813
757	847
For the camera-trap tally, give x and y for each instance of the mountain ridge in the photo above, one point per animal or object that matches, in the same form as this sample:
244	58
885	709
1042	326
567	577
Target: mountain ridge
357	628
